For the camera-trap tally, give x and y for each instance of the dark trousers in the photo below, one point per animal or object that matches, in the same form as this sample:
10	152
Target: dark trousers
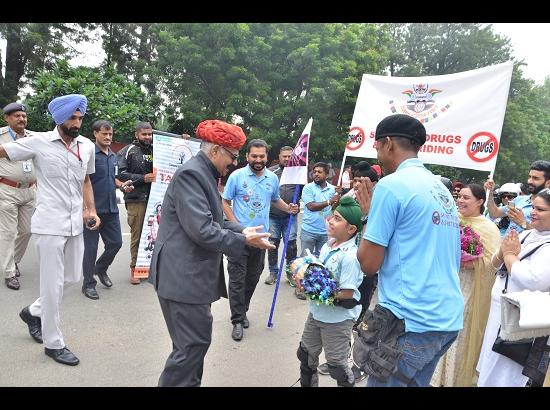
244	273
190	328
112	239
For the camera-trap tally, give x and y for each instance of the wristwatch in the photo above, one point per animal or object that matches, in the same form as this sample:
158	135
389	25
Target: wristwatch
364	219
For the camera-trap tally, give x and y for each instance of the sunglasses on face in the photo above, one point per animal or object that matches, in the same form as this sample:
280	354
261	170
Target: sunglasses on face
509	196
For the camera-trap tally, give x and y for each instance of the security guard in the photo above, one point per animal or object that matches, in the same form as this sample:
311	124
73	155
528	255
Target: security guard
17	195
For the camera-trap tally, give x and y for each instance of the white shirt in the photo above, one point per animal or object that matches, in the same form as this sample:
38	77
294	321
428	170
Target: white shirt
60	175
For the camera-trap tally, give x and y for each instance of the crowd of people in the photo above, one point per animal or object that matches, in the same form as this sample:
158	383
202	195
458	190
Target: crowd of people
395	238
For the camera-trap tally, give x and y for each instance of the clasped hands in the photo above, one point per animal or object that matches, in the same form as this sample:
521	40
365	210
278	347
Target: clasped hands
293	208
510	245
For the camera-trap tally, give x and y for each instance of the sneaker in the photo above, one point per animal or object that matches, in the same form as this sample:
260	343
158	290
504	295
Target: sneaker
271	278
12	283
323	369
299	295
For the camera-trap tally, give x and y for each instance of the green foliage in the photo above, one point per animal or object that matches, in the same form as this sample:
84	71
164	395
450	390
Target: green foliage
270	77
32	47
110	97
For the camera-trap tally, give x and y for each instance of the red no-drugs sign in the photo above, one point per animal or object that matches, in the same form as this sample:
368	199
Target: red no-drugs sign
356	138
482	146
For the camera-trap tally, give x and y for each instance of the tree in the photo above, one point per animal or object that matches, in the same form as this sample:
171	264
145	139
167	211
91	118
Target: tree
269	77
31	47
131	50
110	97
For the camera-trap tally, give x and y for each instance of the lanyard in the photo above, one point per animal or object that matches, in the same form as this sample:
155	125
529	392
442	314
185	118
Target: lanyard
12	134
332	252
77	153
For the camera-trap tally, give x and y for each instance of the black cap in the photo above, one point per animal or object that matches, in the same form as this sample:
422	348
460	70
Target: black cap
13	107
401	125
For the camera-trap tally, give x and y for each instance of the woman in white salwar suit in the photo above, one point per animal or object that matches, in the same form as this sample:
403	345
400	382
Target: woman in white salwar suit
531	273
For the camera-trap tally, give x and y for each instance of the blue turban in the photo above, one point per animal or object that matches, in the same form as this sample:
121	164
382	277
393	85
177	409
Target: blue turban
62	108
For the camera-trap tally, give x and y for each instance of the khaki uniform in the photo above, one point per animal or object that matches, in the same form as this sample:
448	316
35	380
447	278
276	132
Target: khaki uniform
57	222
16	207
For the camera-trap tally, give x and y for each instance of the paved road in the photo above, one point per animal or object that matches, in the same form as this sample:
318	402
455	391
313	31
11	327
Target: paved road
121	339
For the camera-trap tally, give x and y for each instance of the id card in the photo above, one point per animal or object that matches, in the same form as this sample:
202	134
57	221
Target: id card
27	166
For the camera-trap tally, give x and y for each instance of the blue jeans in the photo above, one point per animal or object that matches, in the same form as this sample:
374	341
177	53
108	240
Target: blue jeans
312	241
277	228
421	352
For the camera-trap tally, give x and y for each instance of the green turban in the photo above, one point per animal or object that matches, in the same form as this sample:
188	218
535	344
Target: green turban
351	212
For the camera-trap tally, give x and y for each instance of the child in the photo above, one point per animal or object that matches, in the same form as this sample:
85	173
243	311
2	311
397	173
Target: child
329	327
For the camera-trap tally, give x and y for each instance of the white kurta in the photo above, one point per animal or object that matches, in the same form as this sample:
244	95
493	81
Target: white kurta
532	273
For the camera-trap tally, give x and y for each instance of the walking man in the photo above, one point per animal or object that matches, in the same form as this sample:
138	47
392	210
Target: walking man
63	160
104	184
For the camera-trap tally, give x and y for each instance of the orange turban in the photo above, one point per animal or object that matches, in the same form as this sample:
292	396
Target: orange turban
221	133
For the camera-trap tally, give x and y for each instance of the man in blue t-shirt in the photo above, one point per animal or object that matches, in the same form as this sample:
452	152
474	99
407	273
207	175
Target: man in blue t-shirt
412	238
519	209
252	189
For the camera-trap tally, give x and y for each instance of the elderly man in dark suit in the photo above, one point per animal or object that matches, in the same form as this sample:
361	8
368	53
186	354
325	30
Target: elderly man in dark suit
186	267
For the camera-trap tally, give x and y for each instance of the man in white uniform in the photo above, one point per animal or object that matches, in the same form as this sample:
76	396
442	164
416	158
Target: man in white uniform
17	192
63	160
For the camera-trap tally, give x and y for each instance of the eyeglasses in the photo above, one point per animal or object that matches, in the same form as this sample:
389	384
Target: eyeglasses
509	196
232	155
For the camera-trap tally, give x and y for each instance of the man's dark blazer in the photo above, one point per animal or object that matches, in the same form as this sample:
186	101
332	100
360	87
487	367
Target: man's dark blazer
187	260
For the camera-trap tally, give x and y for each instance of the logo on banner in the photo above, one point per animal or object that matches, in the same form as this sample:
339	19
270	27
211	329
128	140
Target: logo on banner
482	146
299	155
356	138
180	154
421	103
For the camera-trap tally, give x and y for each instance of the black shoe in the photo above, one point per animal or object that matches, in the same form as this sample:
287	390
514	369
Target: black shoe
64	356
90	293
34	323
12	283
246	323
104	279
237	333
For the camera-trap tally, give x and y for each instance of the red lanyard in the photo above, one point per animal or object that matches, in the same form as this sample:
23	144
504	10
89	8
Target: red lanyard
77	153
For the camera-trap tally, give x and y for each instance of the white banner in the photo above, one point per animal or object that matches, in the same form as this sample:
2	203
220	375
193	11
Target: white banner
463	114
168	154
295	171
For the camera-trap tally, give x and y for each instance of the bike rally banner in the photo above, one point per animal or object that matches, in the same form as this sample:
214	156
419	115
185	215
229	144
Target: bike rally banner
462	113
170	151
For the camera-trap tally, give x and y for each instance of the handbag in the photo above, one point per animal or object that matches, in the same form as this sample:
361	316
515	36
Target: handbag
517	350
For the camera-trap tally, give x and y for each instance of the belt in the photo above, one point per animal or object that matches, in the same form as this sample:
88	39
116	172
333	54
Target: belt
14	184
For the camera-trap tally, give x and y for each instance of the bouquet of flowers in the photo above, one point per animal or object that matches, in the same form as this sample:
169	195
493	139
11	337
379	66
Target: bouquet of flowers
470	245
318	282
